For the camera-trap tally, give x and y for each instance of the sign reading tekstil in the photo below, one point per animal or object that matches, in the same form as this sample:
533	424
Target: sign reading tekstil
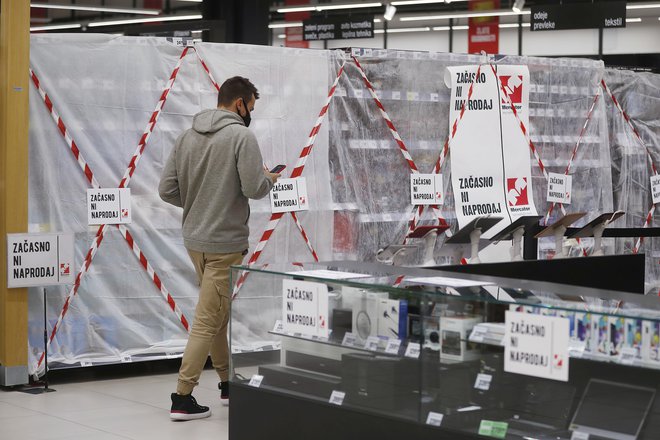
289	195
338	28
536	345
39	259
111	206
426	189
591	15
305	308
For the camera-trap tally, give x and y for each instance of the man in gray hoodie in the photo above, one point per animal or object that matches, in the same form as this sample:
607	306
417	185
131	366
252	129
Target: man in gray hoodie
214	168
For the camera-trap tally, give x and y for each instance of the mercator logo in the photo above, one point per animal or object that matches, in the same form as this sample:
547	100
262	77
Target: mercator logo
516	191
513	86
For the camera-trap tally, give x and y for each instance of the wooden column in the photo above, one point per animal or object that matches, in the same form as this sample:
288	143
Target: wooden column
14	117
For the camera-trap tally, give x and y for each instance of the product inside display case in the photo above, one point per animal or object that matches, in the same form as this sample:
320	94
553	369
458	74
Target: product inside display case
473	354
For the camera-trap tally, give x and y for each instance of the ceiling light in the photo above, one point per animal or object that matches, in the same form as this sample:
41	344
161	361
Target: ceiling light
297	9
422	2
494	13
643	6
285	25
446	28
389	12
328	7
95	8
377	20
402	30
633	20
281	36
145	20
513	25
56	27
518	5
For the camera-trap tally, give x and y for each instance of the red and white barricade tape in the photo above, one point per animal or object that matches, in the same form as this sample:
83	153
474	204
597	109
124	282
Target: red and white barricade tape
207	70
397	138
304	236
123	183
575	150
649	217
297	172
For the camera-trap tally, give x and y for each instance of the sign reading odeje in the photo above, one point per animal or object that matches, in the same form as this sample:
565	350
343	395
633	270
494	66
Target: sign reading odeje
108	206
559	188
338	28
305	308
426	189
39	259
289	195
536	345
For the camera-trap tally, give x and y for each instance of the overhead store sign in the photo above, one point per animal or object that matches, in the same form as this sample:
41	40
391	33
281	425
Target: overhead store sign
289	195
110	206
578	16
338	28
490	166
483	32
39	260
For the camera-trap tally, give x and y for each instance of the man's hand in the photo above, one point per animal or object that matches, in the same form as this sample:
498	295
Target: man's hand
273	176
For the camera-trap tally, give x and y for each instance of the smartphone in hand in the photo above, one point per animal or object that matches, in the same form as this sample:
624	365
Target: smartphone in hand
278	169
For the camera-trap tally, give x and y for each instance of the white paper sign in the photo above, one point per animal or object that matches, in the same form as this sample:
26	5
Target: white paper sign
577	435
434	418
305	308
536	345
483	381
111	206
426	189
278	327
628	355
413	350
337	397
289	195
255	380
559	188
349	339
490	166
372	343
39	259
655	188
393	346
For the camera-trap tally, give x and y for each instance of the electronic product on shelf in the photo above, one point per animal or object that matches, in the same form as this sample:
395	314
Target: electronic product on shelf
454	335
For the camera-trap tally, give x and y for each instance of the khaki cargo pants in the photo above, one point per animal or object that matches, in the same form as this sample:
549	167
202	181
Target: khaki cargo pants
209	329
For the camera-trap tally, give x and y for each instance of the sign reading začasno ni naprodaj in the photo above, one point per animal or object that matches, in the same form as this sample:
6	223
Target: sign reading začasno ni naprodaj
490	158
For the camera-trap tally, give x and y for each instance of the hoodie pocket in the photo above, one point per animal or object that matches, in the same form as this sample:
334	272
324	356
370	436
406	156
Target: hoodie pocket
248	215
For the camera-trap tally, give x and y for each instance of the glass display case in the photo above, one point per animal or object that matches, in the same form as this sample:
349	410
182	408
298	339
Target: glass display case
457	355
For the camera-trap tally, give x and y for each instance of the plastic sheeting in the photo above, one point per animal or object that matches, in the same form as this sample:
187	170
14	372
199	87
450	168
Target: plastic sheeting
107	87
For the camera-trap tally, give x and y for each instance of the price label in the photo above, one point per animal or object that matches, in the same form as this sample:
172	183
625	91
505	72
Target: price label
256	380
349	340
126	359
655	188
393	346
577	435
396	95
434	419
372	343
628	356
413	350
337	397
86	363
483	381
493	429
172	355
279	327
478	334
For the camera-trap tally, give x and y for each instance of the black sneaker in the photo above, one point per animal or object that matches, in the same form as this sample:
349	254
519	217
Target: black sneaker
187	408
224	392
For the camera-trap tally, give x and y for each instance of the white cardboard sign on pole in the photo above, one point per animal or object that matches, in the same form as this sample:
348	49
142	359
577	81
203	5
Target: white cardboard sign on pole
305	308
39	259
426	189
108	206
289	195
490	160
559	188
536	345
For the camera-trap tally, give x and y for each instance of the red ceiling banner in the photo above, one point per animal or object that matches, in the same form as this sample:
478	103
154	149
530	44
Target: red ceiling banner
483	32
294	35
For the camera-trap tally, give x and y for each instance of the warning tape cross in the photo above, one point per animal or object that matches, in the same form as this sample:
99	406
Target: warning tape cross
123	183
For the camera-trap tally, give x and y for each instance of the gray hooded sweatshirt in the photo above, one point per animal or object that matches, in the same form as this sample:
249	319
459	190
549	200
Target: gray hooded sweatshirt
211	172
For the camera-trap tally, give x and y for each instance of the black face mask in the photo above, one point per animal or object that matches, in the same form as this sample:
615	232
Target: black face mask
247	118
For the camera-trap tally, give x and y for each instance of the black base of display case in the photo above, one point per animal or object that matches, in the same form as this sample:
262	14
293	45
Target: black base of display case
257	413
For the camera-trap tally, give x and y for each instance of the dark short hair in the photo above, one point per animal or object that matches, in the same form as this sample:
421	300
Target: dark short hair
234	88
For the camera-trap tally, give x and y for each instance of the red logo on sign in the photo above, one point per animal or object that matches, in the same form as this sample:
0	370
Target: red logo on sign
65	269
124	212
513	87
516	189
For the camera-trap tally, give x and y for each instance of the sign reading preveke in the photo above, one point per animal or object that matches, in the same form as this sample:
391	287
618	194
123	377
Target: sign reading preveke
305	308
289	195
590	15
39	260
108	206
338	28
536	345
